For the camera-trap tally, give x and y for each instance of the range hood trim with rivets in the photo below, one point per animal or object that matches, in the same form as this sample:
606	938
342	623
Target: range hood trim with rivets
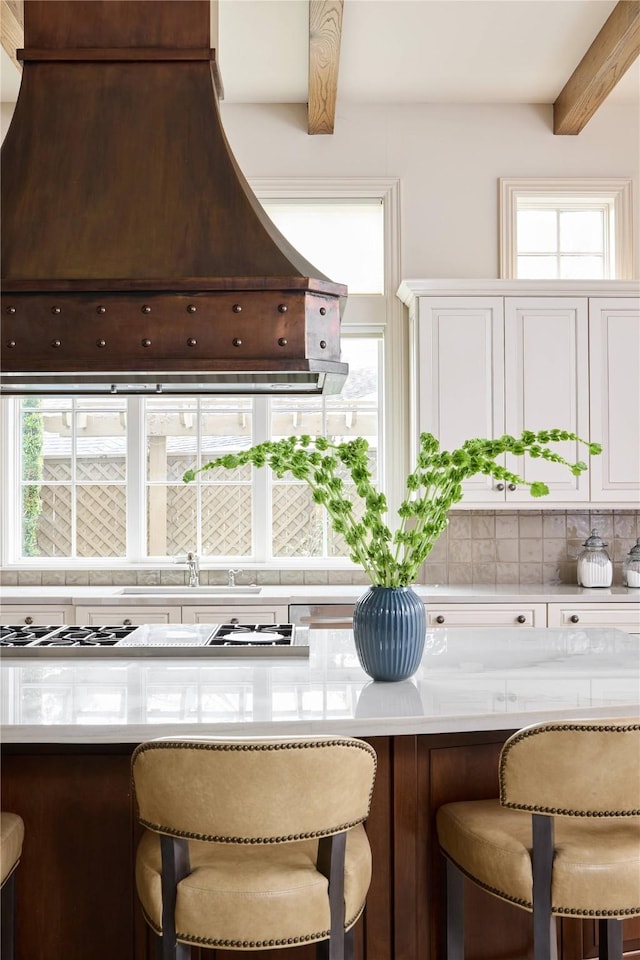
135	257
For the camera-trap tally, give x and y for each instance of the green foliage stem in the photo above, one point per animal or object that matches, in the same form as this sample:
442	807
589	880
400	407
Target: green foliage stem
392	559
32	462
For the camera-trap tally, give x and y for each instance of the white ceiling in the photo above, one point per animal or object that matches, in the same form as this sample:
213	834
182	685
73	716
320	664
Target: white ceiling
408	51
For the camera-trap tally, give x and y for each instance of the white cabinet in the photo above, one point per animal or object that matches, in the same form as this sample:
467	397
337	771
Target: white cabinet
547	386
494	357
614	338
135	614
486	615
623	616
485	366
108	615
258	613
322	616
36	614
458	371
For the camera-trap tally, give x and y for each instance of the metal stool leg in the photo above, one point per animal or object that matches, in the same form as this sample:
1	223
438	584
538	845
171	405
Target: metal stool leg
350	944
175	866
331	856
176	951
8	897
544	928
610	939
455	912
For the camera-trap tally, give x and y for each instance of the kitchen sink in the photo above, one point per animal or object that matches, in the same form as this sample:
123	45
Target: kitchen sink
194	591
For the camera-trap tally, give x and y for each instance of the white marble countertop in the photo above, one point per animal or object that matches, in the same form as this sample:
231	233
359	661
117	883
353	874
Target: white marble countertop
291	594
469	679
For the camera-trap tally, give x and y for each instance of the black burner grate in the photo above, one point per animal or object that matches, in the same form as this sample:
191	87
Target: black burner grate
254	635
52	636
20	636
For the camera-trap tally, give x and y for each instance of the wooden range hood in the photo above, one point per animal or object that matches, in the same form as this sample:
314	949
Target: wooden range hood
135	257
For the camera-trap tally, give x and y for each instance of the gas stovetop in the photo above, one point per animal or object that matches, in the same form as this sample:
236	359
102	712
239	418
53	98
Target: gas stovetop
156	639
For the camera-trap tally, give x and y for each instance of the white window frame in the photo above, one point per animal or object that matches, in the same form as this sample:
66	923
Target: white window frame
371	314
614	193
377	315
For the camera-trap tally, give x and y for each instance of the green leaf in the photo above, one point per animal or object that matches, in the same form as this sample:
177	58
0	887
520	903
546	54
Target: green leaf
539	489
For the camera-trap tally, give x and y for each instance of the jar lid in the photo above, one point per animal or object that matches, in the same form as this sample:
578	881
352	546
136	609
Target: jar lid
595	540
635	551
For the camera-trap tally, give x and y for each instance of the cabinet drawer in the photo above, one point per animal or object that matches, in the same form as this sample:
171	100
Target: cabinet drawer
51	615
624	616
235	614
136	615
322	616
486	615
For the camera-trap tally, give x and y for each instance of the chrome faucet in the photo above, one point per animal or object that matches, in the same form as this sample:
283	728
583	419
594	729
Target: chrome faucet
231	577
193	564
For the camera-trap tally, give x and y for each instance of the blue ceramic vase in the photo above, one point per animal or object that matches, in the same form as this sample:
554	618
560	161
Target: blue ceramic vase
389	626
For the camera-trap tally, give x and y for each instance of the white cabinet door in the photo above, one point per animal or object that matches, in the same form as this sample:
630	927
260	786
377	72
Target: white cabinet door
459	373
235	614
36	614
623	616
485	366
486	615
107	615
614	339
547	386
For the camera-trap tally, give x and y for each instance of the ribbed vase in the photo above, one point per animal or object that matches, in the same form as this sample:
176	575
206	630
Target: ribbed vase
389	627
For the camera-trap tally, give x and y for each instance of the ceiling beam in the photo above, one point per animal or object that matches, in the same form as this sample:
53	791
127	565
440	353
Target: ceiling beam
607	59
11	30
325	33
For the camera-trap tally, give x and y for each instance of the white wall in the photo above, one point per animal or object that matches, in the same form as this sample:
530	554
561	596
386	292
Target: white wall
448	159
6	112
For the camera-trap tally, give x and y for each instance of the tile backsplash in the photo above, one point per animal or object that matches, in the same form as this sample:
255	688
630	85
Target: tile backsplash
526	546
478	547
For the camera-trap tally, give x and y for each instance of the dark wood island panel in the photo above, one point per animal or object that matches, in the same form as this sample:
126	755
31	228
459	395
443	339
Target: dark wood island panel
75	887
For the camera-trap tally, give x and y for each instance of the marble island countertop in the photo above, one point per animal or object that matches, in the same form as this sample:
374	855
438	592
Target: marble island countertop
469	679
316	593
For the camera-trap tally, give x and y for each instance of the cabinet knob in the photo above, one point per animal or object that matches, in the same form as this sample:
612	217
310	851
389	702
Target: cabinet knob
126	623
521	618
28	620
439	618
234	620
574	618
499	486
512	487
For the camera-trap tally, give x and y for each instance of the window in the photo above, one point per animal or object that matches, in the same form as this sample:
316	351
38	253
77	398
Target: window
73	477
100	479
344	240
566	229
78	461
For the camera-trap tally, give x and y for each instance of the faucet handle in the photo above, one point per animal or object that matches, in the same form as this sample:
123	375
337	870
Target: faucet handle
189	557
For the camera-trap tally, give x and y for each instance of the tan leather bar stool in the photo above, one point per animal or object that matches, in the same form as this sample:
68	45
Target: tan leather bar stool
253	843
578	781
11	838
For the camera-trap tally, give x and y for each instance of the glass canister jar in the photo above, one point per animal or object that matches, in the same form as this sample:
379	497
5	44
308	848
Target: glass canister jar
631	567
595	568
